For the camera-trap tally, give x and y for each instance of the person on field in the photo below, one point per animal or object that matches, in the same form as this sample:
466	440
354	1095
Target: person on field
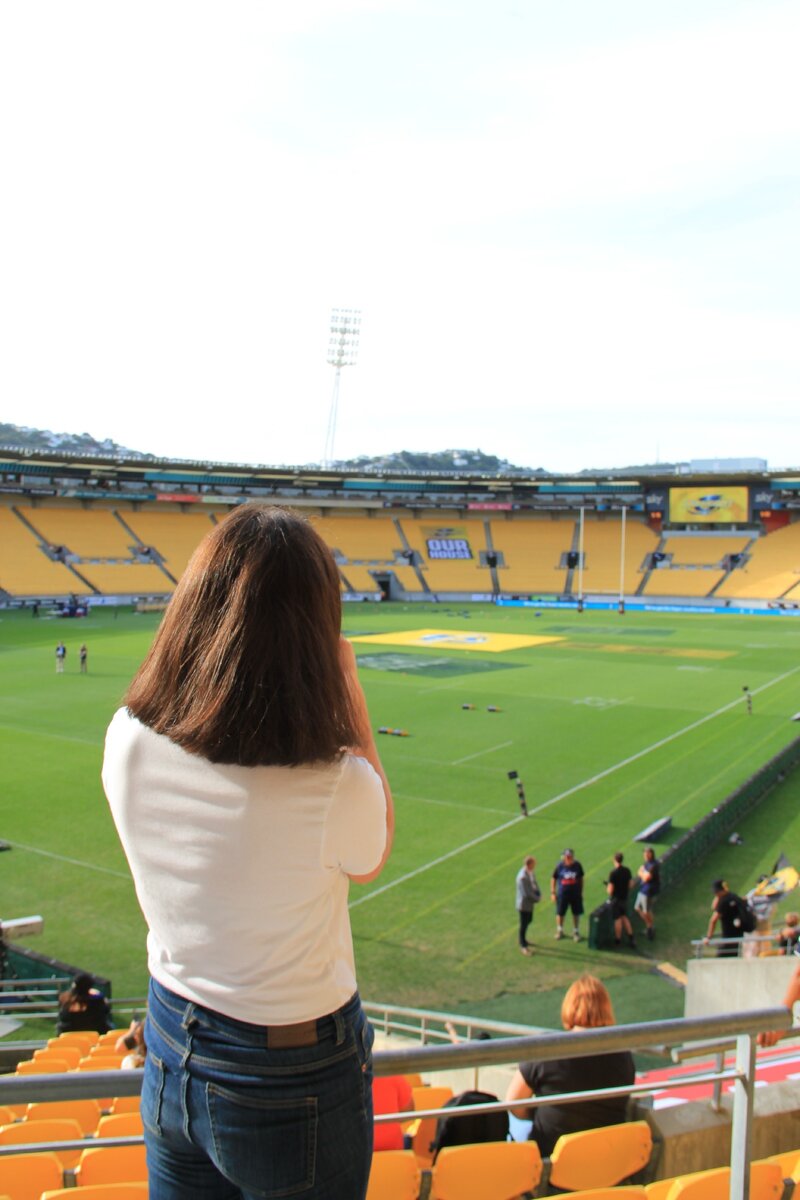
61	654
618	887
649	876
528	894
566	892
83	655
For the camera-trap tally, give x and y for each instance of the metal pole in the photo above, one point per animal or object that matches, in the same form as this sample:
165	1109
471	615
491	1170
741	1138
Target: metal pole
742	1126
580	557
622	559
333	417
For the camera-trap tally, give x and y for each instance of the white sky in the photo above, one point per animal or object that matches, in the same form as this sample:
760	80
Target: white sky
571	226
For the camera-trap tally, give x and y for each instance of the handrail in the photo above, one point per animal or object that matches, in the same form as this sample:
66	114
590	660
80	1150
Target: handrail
546	1047
578	1043
747	939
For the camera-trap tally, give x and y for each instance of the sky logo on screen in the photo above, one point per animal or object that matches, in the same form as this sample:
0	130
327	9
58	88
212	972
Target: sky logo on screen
706	506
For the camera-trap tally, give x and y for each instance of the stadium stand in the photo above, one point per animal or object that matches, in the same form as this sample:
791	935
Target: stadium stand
121	579
89	533
532	550
367	544
449	574
24	569
700	549
358	538
695	564
602	551
772	569
174	535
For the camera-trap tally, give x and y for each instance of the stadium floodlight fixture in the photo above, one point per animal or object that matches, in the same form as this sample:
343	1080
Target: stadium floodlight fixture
345	331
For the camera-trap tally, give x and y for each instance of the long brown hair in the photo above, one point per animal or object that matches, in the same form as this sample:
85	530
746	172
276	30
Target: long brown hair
245	666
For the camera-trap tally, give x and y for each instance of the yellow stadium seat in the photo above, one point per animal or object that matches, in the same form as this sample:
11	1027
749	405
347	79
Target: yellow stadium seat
54	1129
112	1164
766	1183
70	1054
102	1191
106	1040
125	1104
7	1116
789	1163
26	1176
600	1157
42	1066
84	1040
486	1171
659	1189
427	1097
86	1112
120	1125
395	1175
100	1062
608	1193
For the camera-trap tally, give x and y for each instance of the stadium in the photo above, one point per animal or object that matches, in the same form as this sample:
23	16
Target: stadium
621	652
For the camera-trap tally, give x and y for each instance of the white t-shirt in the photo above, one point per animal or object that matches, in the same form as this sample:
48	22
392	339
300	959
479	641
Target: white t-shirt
241	872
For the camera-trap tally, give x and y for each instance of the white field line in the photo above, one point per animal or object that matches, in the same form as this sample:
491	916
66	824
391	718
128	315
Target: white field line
468	757
570	791
31	731
502	812
75	862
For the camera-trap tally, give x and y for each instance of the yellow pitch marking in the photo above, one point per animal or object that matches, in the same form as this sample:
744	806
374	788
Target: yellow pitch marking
672	972
662	651
454	639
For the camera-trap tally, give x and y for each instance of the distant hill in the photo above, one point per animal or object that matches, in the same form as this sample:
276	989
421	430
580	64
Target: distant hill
22	437
467	462
470	461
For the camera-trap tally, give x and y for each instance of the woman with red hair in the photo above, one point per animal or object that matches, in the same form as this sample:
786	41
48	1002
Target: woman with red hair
587	1005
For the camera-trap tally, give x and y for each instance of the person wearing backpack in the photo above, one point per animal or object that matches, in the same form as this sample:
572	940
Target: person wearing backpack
733	915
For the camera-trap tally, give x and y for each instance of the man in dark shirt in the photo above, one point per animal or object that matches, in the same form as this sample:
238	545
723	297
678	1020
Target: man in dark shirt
618	886
726	908
566	892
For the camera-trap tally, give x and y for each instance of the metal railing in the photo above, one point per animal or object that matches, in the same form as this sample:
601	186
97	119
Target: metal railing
741	944
741	1027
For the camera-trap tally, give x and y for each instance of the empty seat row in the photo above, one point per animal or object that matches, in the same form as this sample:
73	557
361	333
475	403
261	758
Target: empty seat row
508	1170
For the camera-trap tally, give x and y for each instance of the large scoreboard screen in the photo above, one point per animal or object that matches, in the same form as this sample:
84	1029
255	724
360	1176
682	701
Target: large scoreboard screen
708	505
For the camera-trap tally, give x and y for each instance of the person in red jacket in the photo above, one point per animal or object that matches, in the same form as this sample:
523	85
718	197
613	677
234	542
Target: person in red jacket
390	1094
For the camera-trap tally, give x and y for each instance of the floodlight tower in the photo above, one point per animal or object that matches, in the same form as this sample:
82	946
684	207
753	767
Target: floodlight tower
342	352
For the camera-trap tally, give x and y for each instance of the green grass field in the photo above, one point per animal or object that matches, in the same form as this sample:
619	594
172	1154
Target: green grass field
614	722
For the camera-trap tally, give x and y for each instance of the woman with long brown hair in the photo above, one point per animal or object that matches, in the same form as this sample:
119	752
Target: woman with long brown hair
247	791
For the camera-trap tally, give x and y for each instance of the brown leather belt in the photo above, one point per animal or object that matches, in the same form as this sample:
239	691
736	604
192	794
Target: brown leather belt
284	1037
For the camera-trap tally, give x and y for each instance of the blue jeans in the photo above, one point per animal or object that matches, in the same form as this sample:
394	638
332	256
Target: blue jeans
226	1117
